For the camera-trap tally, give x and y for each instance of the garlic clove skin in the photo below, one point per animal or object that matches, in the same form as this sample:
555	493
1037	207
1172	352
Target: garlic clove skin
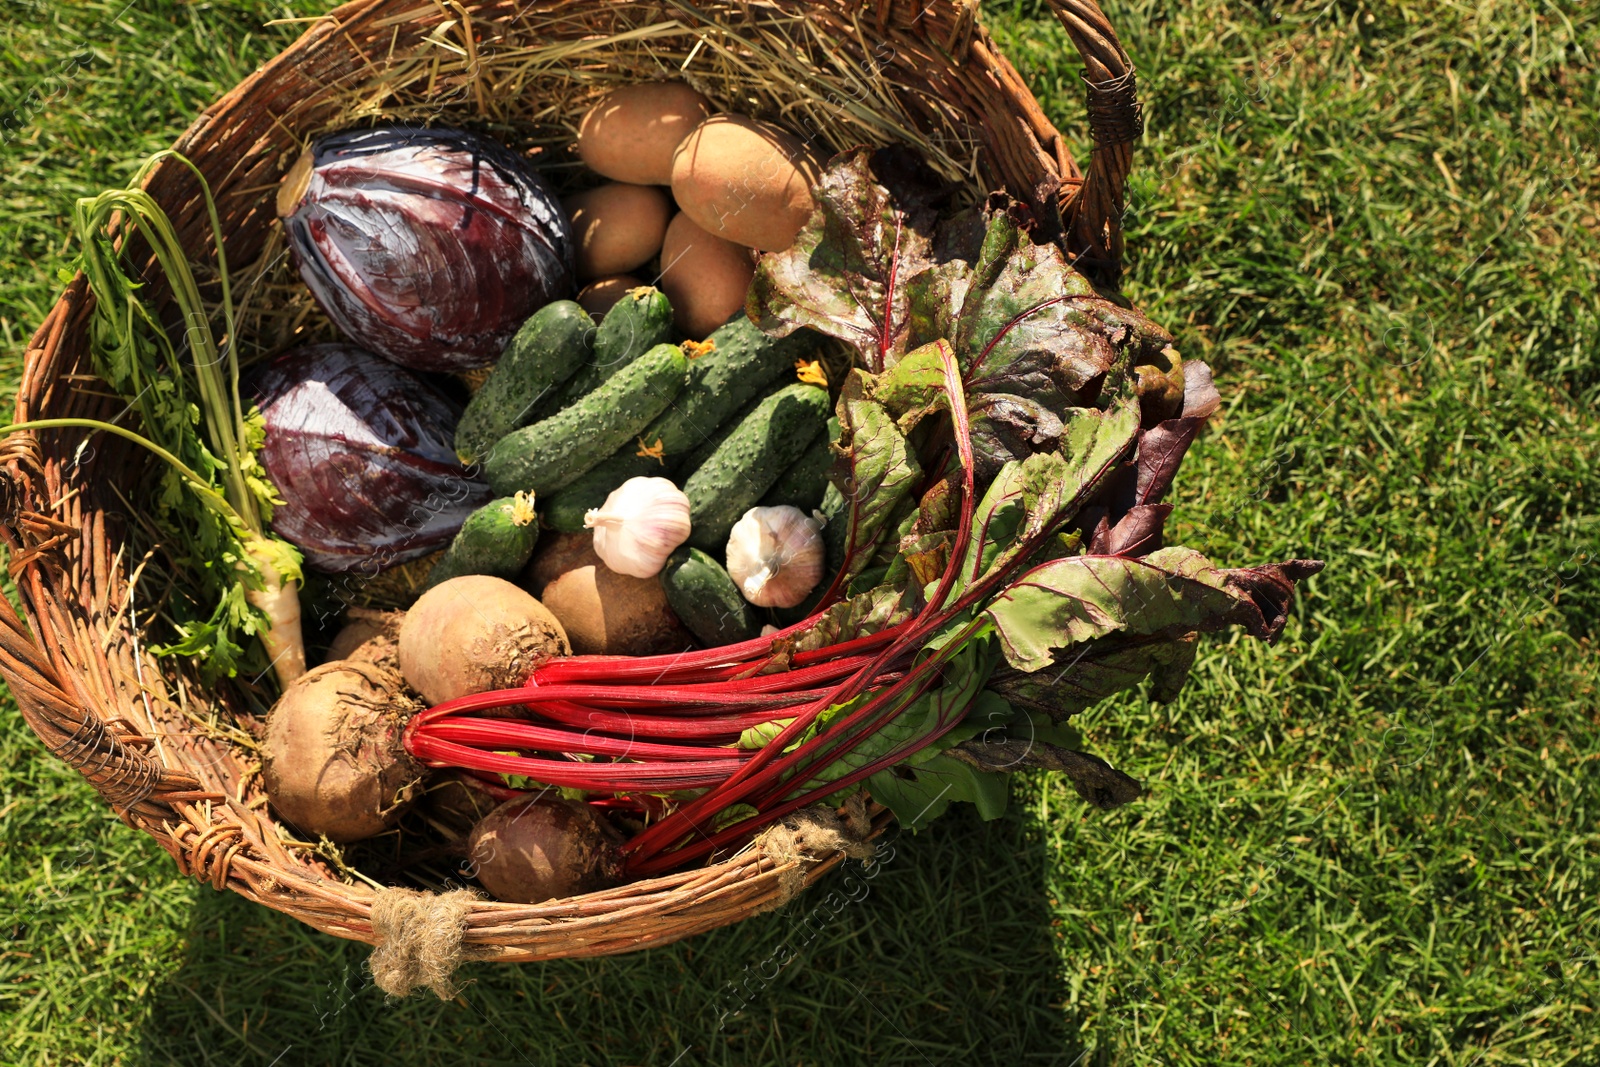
775	556
639	525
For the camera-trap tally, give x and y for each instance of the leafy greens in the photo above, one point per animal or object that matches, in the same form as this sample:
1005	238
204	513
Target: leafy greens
1035	422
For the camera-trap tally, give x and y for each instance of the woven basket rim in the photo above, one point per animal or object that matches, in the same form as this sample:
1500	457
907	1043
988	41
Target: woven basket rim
95	697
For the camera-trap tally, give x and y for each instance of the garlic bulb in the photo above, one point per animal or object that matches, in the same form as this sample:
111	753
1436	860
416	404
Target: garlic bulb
639	525
775	556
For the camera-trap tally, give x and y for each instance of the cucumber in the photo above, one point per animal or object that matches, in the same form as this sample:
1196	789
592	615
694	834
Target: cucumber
802	485
765	443
706	600
553	453
635	324
548	350
566	509
497	539
744	363
697	459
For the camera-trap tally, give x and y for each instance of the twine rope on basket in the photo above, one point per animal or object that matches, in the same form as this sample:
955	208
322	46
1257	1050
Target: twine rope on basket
420	940
800	840
1115	114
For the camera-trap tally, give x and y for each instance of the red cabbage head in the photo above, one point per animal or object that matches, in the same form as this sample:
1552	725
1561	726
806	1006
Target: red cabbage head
428	247
361	454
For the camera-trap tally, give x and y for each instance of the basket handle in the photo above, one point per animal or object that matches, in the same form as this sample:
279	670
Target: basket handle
1093	211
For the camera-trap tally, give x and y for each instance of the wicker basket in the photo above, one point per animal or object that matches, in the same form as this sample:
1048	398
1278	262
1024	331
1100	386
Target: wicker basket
149	738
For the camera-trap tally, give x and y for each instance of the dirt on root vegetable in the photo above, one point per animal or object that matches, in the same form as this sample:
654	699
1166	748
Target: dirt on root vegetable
332	759
476	633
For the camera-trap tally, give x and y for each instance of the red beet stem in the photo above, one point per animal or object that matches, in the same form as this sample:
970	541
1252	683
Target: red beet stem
632	724
710	665
709	698
506	733
969	503
850	647
597	777
766	766
601	668
771	812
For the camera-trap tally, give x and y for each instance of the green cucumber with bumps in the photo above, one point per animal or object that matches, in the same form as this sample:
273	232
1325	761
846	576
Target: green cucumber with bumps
638	322
552	454
567	508
803	485
743	364
738	474
702	452
705	599
498	539
552	346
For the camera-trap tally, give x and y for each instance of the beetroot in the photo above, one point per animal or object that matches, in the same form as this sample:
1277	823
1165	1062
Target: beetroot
332	759
535	848
369	636
362	454
474	633
429	247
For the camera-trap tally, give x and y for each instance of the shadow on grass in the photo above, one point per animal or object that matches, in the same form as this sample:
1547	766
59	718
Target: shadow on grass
944	955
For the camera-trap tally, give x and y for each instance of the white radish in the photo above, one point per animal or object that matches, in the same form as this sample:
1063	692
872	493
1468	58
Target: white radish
279	601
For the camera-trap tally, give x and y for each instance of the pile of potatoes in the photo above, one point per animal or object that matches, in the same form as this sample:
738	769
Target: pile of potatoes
699	193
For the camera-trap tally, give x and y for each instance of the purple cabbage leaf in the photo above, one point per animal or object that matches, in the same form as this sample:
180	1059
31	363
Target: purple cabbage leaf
361	454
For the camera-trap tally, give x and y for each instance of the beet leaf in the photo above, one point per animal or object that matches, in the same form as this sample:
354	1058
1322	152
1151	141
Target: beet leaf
1080	677
843	276
875	470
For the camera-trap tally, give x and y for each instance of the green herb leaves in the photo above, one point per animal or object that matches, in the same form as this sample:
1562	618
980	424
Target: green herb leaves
214	499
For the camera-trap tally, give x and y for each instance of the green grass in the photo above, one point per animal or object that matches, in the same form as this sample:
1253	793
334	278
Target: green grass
1374	843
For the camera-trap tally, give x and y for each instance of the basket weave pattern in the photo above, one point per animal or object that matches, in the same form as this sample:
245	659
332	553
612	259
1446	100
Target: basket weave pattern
132	724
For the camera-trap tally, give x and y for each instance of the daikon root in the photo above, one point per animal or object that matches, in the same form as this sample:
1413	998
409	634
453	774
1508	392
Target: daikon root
279	600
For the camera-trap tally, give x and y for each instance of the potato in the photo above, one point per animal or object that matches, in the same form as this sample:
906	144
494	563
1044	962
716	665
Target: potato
535	848
748	182
705	277
555	556
473	634
617	227
332	759
597	297
606	613
630	134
